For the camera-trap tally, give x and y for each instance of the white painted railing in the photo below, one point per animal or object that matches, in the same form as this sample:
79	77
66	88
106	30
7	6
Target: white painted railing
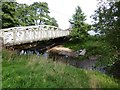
19	35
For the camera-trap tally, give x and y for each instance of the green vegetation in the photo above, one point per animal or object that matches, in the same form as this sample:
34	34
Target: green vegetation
9	18
31	71
15	14
94	45
79	27
107	22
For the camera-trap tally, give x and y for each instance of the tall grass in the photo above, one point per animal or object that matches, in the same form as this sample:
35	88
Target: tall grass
36	72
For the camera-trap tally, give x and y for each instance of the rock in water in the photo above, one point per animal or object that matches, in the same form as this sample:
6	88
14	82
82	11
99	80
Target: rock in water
82	52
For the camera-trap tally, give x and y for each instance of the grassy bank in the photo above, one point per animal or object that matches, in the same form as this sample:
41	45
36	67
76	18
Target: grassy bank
32	71
94	45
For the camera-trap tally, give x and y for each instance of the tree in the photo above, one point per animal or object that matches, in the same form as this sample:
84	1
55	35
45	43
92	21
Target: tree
40	11
51	21
79	27
8	14
15	14
107	21
23	15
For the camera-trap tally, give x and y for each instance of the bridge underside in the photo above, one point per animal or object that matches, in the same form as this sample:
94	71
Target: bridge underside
41	45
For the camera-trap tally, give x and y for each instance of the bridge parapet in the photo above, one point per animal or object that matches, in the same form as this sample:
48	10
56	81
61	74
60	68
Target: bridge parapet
19	35
42	27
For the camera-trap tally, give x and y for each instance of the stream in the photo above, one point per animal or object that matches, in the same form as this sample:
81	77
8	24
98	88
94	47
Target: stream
89	64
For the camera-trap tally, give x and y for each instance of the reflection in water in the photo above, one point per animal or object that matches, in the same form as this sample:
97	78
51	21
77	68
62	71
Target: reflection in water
84	64
46	55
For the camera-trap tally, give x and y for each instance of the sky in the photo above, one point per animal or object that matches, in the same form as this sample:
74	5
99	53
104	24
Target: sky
62	10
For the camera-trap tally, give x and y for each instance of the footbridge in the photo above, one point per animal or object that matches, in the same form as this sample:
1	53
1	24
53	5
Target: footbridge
29	34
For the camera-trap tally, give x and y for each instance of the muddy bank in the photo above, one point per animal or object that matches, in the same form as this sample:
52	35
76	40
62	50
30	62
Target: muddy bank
60	50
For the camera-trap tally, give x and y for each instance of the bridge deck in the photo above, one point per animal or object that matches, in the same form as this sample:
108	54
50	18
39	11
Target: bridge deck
20	35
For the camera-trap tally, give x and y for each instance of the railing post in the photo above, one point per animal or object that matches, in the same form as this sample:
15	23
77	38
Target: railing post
24	35
14	37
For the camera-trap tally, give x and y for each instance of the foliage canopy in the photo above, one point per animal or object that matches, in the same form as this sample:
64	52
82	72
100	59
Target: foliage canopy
79	27
15	14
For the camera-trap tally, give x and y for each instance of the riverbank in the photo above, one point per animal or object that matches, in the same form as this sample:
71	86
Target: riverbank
97	46
31	71
98	54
